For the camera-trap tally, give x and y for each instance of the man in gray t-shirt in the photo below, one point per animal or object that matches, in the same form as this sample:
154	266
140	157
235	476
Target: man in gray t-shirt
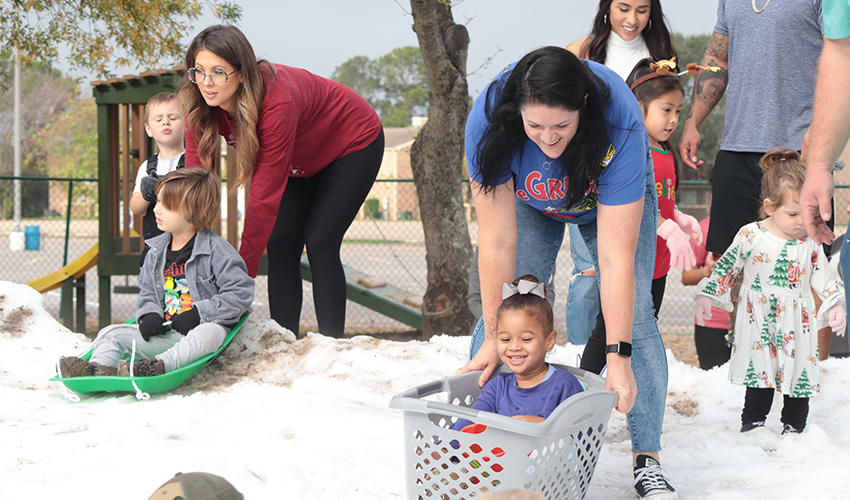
768	54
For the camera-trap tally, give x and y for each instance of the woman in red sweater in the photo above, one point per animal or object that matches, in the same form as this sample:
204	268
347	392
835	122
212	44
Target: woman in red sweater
311	148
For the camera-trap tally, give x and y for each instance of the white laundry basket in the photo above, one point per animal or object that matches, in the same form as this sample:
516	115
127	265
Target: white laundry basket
556	457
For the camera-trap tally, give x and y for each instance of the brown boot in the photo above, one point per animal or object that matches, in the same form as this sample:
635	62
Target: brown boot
72	366
105	371
144	368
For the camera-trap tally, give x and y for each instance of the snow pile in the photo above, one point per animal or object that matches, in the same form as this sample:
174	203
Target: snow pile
281	418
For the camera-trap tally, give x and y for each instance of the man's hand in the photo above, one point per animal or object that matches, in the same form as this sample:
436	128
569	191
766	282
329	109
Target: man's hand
688	144
487	359
815	203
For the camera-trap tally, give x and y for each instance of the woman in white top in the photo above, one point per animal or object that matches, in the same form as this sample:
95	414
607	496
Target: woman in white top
623	33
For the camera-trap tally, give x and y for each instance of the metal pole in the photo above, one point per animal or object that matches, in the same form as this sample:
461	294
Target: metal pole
16	238
68	222
17	142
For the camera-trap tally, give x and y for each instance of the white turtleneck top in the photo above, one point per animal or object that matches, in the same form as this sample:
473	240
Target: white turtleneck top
622	55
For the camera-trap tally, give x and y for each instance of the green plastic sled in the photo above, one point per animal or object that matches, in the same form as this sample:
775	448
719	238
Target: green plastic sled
155	384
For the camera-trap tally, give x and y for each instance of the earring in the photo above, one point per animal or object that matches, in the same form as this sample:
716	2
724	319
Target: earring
605	18
649	26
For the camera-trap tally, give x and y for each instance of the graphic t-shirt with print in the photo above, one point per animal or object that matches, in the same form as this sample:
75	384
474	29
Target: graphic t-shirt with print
177	296
536	181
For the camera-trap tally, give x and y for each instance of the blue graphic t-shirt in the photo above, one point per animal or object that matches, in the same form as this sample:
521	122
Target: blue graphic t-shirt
536	182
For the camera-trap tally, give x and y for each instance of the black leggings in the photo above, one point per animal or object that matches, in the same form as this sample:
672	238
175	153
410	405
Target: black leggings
593	358
316	212
757	403
712	349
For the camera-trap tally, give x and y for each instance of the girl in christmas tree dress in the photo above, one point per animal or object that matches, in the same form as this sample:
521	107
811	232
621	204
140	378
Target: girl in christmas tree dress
776	342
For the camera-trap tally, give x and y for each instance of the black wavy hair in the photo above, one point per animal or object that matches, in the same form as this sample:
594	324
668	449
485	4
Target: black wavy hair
656	34
550	76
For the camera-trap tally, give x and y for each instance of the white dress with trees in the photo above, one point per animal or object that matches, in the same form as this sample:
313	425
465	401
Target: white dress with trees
776	341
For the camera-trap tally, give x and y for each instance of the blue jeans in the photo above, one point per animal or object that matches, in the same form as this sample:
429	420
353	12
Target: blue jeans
540	237
844	264
583	296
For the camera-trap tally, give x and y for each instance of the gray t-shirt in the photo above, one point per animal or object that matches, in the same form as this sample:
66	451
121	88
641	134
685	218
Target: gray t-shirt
773	66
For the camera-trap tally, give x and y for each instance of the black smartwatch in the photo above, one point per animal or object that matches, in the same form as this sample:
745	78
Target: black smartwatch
624	349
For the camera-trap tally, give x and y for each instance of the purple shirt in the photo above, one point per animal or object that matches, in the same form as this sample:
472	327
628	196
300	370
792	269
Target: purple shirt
501	395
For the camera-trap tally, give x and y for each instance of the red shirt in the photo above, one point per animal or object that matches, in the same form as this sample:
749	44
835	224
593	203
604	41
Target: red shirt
665	188
305	123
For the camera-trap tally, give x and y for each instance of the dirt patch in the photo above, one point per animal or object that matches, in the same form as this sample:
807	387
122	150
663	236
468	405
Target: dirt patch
683	405
13	323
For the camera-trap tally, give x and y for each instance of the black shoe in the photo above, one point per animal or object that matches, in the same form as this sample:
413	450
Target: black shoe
753	426
790	429
651	481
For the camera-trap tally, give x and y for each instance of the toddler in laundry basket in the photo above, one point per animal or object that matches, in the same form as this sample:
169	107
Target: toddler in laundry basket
533	388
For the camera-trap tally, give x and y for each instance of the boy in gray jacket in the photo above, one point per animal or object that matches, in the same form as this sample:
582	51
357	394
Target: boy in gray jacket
194	287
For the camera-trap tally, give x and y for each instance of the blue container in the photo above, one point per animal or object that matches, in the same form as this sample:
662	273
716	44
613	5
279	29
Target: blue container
32	235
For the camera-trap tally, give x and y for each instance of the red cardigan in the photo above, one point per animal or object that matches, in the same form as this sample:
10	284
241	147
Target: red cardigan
305	123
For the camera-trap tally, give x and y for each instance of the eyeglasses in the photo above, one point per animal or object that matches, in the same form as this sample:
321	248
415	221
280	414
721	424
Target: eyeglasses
218	77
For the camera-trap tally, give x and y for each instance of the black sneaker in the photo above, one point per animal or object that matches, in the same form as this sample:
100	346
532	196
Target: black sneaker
753	426
790	429
651	481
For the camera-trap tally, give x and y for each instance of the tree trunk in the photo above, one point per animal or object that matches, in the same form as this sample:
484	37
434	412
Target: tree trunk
436	159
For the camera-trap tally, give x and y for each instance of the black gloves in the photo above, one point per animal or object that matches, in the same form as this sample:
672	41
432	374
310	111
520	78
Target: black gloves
148	188
186	320
150	325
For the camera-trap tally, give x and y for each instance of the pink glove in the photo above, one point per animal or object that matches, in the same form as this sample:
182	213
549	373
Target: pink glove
681	253
837	320
702	309
689	225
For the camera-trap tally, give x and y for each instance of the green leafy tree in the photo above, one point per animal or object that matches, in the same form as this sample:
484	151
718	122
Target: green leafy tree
106	33
395	84
45	94
691	49
756	286
68	148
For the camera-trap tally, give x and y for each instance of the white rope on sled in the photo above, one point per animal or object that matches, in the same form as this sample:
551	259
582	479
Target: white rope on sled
140	395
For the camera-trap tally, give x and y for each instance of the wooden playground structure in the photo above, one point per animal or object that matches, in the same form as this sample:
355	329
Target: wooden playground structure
122	146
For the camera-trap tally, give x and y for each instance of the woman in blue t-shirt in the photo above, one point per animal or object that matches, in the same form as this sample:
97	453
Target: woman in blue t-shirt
555	140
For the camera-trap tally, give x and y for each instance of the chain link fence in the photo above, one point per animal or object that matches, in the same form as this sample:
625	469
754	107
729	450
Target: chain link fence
386	241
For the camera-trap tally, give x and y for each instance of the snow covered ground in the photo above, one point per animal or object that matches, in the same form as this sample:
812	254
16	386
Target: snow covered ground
309	419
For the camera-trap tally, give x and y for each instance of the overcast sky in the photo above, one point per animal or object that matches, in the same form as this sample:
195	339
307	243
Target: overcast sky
319	35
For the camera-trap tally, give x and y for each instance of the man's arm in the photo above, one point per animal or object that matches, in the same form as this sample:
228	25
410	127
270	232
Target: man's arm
827	137
709	88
